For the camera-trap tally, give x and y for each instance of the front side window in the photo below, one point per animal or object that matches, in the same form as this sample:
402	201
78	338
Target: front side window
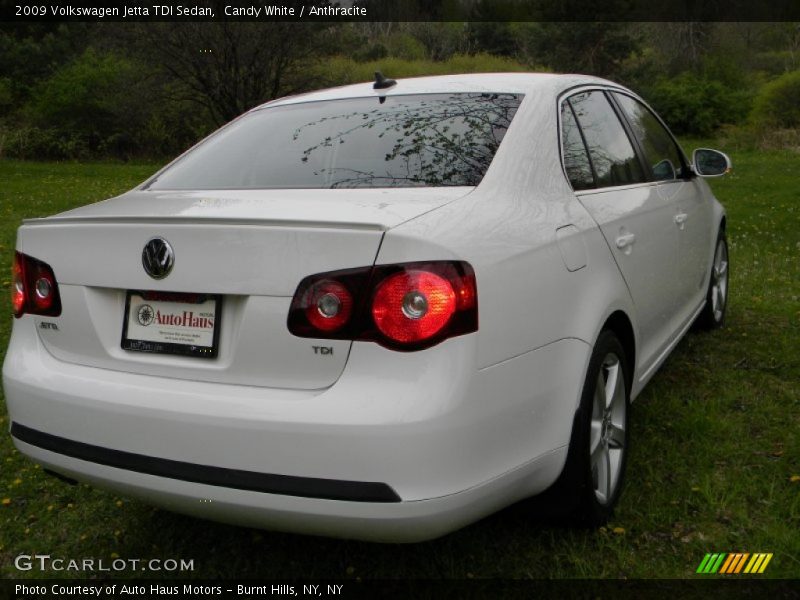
392	141
663	156
611	152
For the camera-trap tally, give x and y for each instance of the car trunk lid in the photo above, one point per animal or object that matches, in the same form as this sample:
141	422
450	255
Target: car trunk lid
248	248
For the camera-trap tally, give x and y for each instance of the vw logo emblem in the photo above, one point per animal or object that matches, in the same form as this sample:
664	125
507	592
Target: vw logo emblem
158	258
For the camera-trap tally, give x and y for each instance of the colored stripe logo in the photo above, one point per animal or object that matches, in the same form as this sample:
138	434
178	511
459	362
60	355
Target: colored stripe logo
734	563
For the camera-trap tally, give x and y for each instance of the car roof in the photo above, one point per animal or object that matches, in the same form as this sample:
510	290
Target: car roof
515	83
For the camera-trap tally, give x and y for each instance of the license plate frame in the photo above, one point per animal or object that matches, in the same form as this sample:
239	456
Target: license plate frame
166	341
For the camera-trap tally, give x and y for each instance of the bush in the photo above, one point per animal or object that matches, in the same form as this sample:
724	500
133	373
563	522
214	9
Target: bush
376	51
697	106
754	137
30	143
102	105
778	103
92	95
405	46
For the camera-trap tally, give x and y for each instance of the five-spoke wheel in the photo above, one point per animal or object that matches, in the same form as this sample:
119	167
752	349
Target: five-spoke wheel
607	429
713	314
591	482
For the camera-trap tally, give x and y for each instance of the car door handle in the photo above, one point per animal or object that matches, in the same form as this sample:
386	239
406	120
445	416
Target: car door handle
680	219
625	240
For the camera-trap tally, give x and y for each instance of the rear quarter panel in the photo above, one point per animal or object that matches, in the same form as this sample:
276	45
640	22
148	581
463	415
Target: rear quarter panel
506	229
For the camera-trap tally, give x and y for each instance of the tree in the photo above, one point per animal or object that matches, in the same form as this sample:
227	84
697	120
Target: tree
230	67
579	47
31	52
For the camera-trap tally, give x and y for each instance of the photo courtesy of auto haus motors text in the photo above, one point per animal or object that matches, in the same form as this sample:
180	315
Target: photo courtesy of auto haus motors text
309	300
138	590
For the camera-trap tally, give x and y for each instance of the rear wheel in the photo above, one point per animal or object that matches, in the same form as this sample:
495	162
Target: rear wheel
592	479
713	313
607	430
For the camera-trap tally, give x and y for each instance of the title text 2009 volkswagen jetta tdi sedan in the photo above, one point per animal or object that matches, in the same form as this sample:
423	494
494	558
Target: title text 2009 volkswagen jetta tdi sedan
372	313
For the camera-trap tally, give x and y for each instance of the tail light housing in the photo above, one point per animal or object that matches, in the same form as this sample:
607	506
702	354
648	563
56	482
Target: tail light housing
407	306
34	289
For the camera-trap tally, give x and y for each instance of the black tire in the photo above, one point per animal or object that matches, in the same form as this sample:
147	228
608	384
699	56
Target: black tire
713	315
576	490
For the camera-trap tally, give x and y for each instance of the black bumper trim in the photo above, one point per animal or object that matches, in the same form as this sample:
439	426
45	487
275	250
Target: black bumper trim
287	485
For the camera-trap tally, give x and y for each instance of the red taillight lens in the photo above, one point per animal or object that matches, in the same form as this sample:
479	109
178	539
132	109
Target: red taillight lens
406	306
18	285
328	305
34	289
413	305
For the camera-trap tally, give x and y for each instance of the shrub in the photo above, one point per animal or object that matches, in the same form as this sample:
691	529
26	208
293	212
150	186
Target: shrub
778	103
102	105
91	95
697	106
405	46
27	142
374	52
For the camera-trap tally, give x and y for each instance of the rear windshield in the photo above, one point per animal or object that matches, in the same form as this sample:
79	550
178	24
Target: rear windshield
394	141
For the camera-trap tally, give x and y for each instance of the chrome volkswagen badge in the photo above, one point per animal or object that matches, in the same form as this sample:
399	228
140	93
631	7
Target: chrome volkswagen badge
158	258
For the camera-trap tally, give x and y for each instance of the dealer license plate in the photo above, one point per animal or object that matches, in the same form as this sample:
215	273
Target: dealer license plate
172	323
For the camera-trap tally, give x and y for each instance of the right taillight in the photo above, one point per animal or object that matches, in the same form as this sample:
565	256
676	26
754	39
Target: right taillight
34	289
408	306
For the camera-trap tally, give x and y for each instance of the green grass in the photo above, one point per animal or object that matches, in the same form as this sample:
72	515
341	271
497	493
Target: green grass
715	437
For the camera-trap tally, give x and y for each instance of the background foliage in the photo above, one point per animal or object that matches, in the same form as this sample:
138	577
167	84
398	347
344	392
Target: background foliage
132	91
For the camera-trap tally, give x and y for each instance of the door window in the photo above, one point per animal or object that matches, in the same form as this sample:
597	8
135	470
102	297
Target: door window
661	153
612	155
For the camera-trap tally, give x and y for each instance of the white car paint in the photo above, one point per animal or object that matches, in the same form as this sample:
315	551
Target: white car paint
457	430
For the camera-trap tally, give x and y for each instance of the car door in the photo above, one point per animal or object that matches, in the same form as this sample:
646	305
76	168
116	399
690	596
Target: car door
692	217
635	219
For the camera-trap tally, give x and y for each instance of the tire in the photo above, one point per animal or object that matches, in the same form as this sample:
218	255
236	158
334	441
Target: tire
591	483
713	314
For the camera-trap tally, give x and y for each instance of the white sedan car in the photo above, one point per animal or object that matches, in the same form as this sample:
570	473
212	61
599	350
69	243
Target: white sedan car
381	311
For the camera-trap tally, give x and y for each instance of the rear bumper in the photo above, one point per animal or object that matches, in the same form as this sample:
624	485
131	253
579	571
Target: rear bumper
373	521
404	447
269	483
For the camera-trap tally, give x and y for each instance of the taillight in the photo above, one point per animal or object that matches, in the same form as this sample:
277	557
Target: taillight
413	305
34	289
329	305
407	306
18	285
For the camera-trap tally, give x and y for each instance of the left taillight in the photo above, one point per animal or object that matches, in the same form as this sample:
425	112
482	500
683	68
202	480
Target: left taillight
34	289
407	306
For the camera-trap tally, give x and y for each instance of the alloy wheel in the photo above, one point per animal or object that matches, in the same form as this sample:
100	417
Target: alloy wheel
719	281
607	432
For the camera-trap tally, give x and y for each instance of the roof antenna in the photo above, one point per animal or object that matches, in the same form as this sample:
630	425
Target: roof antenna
381	83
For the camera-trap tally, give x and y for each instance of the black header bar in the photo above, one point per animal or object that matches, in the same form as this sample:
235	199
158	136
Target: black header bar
397	10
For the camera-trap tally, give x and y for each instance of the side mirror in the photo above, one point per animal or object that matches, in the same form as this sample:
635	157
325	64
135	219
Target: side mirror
710	163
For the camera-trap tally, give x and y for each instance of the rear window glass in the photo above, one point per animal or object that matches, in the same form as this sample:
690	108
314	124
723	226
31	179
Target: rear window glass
396	141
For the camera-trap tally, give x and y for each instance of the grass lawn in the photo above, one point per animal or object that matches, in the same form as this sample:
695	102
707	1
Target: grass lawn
714	465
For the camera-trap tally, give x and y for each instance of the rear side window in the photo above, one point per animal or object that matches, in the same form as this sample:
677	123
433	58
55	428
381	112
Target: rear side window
611	152
662	155
576	159
392	141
